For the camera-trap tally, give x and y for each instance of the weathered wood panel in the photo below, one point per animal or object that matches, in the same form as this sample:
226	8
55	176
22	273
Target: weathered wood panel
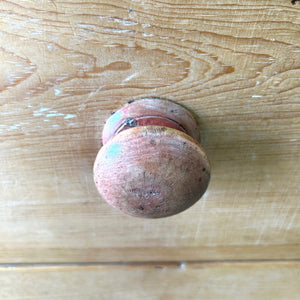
66	65
201	281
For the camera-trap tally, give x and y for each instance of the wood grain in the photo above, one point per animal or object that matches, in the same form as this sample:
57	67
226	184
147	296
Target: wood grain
66	65
200	281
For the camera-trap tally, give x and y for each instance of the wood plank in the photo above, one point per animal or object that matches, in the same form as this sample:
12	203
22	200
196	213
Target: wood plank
87	254
199	281
66	65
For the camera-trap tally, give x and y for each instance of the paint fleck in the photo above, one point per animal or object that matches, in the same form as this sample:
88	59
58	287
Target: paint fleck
69	116
125	22
113	151
131	76
57	92
115	118
256	96
44	109
148	34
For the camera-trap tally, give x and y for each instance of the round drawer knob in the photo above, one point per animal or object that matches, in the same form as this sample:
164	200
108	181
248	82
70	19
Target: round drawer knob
151	164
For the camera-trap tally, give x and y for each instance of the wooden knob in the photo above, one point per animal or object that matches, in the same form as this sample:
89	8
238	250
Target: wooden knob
151	164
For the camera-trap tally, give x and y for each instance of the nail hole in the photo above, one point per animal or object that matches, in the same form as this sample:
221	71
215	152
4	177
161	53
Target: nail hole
141	207
203	169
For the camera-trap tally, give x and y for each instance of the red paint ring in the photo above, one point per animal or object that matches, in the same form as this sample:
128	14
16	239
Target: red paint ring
151	111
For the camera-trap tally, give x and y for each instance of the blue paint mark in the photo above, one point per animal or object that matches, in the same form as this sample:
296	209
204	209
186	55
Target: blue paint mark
115	118
113	151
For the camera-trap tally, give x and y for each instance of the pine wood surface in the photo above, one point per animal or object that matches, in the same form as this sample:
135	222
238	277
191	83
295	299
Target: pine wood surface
67	65
254	281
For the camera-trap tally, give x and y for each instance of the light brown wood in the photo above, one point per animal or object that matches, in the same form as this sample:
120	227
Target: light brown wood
66	65
165	282
135	254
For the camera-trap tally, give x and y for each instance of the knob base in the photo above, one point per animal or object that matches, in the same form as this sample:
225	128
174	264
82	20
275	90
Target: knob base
151	111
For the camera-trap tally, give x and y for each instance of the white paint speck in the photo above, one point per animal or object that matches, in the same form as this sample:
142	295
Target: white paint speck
15	26
57	92
256	96
130	76
293	140
145	25
253	156
125	22
46	112
183	266
70	116
44	109
114	30
148	34
52	47
82	106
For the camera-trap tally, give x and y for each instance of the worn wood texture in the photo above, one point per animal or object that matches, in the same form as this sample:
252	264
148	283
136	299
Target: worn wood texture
66	65
254	281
